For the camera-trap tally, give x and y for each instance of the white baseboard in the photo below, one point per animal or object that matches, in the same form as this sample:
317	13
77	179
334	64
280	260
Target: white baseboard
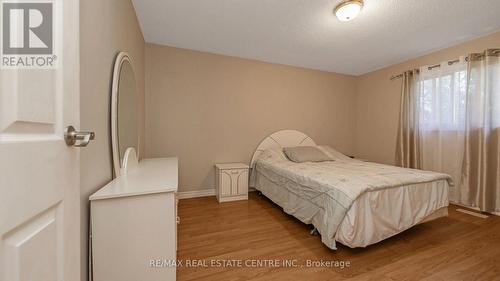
201	193
196	193
476	214
474	208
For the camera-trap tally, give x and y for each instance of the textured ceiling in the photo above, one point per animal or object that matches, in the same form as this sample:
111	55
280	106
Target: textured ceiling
305	33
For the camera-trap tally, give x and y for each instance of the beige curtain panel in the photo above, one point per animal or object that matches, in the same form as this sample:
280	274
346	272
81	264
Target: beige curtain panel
480	182
407	147
450	122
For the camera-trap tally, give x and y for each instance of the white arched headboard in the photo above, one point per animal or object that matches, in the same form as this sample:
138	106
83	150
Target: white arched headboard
280	139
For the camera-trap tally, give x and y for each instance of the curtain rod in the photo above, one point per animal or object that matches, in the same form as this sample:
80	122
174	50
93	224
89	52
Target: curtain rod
429	67
487	52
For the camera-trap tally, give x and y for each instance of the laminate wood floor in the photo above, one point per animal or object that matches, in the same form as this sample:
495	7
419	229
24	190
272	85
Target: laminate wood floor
459	247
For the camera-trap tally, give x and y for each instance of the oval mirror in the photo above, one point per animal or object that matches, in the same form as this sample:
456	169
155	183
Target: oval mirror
124	113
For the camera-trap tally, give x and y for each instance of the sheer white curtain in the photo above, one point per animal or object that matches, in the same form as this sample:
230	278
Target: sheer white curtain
450	122
441	95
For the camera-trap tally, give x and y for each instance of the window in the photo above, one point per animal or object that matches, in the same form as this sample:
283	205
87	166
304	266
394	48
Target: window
442	99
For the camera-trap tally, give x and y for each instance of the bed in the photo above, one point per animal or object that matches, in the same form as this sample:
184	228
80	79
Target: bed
356	203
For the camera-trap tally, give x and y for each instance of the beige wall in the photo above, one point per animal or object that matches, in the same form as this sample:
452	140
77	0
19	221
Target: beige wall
207	108
377	100
106	27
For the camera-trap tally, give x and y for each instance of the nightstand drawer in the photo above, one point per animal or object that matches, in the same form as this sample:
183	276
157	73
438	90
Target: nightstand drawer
231	182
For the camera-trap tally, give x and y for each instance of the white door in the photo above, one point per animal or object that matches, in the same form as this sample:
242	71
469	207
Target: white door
39	173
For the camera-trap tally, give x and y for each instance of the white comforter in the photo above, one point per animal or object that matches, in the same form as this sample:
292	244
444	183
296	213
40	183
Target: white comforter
334	185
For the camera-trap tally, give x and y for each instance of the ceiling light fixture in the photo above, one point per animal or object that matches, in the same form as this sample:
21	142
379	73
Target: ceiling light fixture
348	10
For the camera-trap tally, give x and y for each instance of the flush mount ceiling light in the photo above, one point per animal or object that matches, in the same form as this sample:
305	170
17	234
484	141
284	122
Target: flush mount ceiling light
348	10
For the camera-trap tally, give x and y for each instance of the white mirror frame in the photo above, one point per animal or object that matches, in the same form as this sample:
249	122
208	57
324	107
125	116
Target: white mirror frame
117	166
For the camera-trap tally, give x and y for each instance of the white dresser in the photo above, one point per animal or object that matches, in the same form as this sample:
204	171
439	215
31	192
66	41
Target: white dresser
231	181
134	224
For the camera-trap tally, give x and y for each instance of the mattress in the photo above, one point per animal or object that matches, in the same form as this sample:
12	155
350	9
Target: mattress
375	213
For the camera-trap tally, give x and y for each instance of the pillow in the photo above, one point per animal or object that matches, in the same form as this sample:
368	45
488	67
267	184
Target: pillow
301	154
334	154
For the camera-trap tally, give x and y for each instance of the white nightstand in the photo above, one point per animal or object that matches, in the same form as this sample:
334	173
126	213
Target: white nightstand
231	181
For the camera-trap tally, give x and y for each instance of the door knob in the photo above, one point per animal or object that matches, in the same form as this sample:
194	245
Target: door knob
71	136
